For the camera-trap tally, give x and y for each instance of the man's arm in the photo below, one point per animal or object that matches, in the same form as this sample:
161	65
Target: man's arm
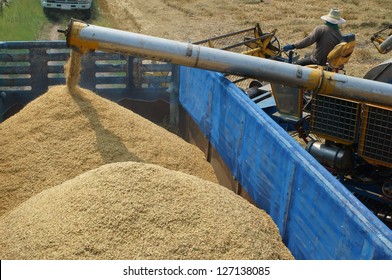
308	40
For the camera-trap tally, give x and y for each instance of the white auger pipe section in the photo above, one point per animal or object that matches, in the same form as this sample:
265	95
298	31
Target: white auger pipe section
85	37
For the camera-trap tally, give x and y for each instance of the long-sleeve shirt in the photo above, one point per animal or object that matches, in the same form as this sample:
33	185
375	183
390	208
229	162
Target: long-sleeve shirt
325	37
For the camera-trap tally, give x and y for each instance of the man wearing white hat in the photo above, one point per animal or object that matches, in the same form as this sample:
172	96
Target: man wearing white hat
325	36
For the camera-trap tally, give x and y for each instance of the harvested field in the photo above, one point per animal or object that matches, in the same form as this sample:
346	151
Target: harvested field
133	210
196	20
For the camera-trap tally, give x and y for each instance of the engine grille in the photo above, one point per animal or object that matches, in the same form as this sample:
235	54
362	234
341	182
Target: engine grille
335	118
376	138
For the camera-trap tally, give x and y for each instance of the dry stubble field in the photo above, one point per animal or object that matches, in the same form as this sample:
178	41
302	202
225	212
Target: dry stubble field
193	20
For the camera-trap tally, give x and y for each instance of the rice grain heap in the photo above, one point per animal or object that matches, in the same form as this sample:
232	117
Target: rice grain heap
84	178
70	130
132	210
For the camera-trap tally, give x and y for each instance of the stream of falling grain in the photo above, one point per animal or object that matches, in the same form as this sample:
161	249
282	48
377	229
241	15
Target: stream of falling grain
72	71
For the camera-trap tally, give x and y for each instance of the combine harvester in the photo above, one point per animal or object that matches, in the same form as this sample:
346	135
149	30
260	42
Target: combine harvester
341	133
244	132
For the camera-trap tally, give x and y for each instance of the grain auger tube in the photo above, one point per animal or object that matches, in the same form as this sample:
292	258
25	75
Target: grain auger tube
84	37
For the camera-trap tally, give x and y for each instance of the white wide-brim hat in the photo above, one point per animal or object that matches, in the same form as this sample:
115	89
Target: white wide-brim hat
334	17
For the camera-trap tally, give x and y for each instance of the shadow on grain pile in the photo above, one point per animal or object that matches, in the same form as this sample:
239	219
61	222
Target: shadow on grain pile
84	178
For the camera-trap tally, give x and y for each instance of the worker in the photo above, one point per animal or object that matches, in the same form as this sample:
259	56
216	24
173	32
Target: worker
326	37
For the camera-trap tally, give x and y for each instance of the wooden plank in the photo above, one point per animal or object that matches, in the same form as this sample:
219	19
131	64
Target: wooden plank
111	80
111	67
156	79
10	70
14	57
15	82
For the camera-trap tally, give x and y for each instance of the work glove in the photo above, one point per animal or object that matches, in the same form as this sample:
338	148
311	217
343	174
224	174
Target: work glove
288	48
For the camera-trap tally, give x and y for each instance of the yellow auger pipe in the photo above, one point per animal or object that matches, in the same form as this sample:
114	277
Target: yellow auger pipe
84	38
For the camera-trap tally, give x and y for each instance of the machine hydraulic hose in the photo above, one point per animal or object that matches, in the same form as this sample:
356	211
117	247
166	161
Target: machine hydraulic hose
84	37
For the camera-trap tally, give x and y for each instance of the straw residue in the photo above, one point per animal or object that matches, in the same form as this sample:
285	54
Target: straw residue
133	210
60	135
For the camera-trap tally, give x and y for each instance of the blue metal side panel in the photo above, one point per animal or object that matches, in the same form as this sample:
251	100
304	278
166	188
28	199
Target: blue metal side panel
317	216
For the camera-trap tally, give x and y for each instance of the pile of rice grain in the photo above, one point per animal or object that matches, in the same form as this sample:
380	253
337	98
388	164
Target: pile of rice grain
80	179
61	135
134	210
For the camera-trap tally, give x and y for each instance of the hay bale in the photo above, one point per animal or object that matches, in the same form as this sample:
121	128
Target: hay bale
134	210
